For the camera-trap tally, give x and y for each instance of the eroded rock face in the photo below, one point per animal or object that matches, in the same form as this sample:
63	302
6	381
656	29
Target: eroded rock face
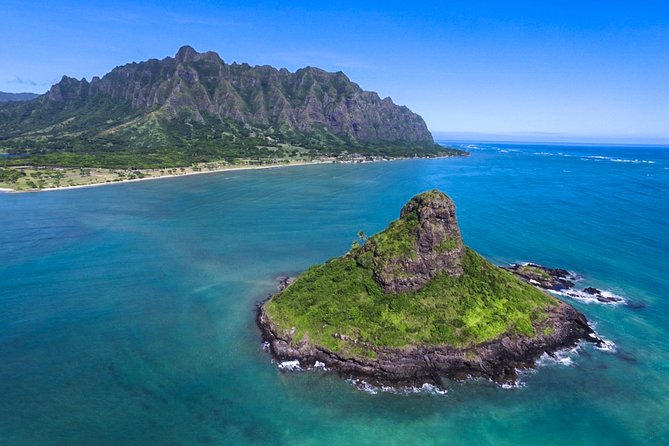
432	244
202	87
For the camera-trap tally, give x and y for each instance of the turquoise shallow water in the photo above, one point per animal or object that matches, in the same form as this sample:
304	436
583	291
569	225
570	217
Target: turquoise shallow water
127	311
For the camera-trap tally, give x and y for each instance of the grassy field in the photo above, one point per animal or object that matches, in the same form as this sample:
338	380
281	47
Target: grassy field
338	305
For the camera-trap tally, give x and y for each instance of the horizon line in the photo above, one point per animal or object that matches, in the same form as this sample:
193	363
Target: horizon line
553	138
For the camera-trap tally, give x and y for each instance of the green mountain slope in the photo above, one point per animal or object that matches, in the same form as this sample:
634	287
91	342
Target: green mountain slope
13	97
195	107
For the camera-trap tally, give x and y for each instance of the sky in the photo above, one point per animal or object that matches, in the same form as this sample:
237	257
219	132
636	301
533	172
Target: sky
519	70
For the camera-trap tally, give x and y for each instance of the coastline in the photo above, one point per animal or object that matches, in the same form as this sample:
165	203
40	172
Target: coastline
159	177
498	360
226	168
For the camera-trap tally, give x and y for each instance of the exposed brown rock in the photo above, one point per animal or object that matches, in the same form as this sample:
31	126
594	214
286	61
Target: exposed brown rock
436	245
202	87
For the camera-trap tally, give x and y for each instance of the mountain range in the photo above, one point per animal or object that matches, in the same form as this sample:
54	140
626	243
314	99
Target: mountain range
194	107
13	97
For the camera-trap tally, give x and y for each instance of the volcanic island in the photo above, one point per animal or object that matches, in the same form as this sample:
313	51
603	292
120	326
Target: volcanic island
413	305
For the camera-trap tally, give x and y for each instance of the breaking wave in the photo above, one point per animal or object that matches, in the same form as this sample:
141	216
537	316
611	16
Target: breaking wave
616	160
290	365
603	298
563	357
595	158
426	388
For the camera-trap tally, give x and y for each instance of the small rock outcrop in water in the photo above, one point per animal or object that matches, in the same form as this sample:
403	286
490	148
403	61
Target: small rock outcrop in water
414	305
554	279
284	282
562	281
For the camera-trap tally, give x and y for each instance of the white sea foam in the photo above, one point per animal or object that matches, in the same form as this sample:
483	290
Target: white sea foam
592	298
290	365
561	357
320	365
517	384
295	366
613	299
596	158
427	388
566	356
365	386
616	160
265	346
606	345
373	390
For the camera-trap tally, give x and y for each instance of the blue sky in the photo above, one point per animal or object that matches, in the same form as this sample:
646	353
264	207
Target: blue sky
541	70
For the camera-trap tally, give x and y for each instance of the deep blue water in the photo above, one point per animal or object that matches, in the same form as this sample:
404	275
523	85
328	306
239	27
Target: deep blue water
127	311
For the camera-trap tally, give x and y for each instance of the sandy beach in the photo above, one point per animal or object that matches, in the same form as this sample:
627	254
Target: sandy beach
163	176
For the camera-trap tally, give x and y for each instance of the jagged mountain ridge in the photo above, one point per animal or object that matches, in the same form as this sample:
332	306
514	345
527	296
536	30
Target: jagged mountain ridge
203	86
195	107
16	97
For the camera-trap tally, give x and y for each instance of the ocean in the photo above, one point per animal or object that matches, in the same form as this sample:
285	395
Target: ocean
127	311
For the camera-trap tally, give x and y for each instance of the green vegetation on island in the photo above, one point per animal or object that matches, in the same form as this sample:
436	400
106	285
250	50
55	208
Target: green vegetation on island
339	301
412	304
341	306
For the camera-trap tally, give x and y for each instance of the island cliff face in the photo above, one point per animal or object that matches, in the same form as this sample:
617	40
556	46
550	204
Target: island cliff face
429	227
414	305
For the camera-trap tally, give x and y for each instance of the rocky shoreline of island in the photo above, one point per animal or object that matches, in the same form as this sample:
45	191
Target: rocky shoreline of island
499	360
563	283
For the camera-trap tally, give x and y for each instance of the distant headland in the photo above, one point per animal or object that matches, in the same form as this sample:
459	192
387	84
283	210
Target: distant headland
194	110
